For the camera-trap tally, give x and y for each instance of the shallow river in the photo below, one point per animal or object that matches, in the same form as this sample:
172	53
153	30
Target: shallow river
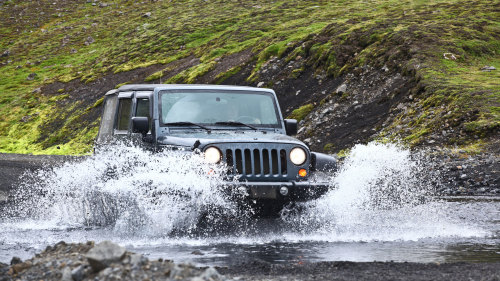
381	208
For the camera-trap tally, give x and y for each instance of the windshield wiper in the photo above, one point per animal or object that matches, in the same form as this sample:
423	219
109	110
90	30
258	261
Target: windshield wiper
236	123
185	123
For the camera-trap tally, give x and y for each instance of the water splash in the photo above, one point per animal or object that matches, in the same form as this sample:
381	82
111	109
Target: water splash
382	193
126	188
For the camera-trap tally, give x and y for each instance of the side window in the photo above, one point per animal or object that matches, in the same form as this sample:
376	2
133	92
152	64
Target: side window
142	107
124	110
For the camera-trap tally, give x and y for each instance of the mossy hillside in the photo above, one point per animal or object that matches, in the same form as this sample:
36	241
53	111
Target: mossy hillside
81	42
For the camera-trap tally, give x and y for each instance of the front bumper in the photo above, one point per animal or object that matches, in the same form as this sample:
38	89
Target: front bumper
297	191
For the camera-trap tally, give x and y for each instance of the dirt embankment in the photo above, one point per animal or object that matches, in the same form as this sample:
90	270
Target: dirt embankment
108	261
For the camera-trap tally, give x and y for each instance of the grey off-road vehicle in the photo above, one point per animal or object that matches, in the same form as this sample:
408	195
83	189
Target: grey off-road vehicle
239	126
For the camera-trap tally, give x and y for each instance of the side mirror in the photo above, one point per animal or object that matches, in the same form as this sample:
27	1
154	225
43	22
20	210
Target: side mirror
140	125
291	127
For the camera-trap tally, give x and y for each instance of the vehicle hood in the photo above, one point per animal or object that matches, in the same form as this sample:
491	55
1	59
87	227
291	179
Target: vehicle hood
243	136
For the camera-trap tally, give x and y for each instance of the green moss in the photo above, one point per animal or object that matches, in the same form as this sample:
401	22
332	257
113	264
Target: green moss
121	84
296	72
221	77
301	112
344	153
329	148
155	76
58	98
416	137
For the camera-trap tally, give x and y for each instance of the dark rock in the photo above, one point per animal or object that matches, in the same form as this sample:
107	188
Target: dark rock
197	252
31	76
104	254
78	273
15	260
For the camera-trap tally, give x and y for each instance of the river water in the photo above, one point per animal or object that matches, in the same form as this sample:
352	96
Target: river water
381	207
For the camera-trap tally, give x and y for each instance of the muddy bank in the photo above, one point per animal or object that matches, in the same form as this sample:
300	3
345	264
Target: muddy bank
108	261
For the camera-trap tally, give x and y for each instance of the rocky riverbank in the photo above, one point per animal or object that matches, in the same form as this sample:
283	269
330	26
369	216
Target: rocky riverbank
104	261
109	261
464	174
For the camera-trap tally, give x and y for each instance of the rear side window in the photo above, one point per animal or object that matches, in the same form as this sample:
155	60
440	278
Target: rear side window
142	108
124	110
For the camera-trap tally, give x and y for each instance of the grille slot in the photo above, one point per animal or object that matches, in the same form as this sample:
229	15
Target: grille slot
256	162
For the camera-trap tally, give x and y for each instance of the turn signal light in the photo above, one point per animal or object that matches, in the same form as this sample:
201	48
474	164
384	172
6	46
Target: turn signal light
302	172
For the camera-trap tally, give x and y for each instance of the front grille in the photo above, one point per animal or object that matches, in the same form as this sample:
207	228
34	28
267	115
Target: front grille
256	162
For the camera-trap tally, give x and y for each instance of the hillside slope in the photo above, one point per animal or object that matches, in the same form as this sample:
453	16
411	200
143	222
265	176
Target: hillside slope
351	71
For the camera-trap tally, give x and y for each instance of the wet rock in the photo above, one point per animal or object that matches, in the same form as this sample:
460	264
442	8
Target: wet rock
104	254
32	76
20	267
197	252
209	274
78	273
15	260
136	260
66	274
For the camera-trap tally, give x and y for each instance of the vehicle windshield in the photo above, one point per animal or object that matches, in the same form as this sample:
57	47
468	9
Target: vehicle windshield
219	107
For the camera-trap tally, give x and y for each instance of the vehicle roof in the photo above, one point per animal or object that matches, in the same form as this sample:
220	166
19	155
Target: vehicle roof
151	87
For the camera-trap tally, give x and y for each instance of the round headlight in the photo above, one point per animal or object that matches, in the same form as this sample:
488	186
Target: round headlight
213	155
298	156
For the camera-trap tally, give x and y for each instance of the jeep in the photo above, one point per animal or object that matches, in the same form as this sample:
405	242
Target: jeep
241	127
